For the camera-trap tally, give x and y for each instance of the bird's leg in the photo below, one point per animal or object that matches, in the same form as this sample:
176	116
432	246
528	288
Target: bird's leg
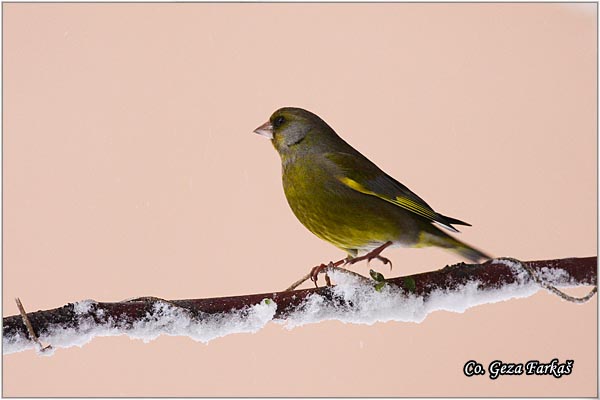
375	253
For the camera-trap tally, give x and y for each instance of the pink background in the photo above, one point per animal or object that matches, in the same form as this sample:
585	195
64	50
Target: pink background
130	169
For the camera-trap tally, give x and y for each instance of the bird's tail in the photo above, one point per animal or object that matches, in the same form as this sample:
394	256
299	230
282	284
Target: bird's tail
441	239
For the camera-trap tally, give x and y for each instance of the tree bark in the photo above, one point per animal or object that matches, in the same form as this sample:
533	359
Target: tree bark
491	274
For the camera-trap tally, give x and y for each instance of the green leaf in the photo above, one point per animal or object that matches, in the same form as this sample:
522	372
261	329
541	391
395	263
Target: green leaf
409	283
376	276
379	286
268	301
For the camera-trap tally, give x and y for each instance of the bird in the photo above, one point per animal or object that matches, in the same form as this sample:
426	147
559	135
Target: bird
345	199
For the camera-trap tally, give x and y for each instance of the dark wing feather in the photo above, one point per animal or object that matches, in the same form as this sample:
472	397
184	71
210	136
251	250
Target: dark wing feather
360	174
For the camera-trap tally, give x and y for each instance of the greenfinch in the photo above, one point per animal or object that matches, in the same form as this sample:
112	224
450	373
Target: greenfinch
345	199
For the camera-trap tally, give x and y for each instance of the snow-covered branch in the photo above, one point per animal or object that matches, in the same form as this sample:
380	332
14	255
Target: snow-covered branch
410	298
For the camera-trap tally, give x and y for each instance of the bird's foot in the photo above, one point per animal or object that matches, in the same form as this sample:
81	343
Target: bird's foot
375	253
314	273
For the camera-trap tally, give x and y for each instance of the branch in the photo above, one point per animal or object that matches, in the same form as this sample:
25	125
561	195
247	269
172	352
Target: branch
410	298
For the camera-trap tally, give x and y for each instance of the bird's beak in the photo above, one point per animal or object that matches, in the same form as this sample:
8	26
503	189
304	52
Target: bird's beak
265	130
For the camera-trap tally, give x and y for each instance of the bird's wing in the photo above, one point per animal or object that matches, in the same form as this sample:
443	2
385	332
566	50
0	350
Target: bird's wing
360	174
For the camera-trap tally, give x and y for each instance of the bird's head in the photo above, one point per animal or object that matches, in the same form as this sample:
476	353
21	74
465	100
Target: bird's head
294	130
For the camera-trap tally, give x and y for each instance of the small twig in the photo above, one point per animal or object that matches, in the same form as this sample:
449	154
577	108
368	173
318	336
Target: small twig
548	286
30	330
298	283
567	297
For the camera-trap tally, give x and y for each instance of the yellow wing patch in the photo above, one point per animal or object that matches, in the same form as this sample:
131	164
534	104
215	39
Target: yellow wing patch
403	202
356	186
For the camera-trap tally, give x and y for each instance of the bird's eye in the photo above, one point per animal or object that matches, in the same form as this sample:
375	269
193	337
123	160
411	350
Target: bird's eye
278	122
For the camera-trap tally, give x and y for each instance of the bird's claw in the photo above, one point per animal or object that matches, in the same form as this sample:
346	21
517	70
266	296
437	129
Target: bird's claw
384	260
314	273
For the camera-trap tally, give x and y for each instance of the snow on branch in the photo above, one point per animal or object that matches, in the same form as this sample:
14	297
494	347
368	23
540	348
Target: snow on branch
354	300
